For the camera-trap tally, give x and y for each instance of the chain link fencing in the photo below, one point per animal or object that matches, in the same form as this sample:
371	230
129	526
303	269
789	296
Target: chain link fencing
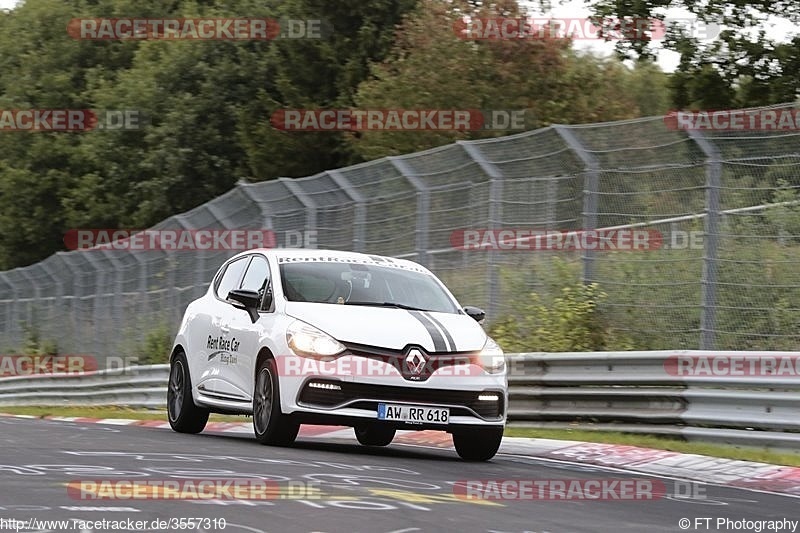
725	204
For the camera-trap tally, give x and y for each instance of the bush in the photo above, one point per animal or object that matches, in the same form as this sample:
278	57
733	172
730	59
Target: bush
571	322
157	345
35	345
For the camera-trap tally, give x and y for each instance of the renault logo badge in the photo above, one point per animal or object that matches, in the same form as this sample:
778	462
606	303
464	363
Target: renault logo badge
415	361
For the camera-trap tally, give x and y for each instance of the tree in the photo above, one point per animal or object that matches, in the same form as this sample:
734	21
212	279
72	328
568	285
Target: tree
431	67
205	106
742	67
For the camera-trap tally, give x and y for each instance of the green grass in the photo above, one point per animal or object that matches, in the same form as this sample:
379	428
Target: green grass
107	412
661	443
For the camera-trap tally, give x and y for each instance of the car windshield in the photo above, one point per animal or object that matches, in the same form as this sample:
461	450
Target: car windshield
363	284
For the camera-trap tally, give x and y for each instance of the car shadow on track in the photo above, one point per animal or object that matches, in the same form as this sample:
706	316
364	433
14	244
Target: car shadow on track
393	450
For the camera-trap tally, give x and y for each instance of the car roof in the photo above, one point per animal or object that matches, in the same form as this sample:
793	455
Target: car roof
315	253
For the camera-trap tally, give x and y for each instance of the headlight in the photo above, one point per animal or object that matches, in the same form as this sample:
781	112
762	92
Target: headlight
491	357
308	341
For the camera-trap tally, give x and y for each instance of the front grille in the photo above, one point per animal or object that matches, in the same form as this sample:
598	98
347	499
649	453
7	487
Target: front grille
352	392
397	359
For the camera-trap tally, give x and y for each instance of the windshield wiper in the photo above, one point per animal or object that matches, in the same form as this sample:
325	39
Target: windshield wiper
388	304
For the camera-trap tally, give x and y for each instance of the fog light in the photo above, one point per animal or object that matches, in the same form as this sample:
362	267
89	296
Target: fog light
488	397
326	386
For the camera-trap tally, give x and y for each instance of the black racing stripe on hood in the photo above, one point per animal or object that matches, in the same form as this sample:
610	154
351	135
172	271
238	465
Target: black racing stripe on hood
449	337
439	344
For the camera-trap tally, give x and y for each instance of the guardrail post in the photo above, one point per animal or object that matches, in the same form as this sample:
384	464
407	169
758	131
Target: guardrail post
708	305
495	219
423	209
591	184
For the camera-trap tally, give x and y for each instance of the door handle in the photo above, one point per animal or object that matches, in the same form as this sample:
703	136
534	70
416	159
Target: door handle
225	329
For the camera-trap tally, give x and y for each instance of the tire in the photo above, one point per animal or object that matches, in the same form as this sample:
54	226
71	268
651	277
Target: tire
271	427
478	444
374	435
184	416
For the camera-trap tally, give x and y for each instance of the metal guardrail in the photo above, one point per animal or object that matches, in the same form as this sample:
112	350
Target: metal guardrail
636	392
139	386
622	391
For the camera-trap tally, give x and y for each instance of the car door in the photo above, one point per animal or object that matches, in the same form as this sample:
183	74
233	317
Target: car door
213	325
247	334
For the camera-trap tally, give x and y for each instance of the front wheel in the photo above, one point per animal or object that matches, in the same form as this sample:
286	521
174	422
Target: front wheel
478	444
270	425
184	416
374	435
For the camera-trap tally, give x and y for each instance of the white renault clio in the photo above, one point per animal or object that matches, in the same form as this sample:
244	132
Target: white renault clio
297	336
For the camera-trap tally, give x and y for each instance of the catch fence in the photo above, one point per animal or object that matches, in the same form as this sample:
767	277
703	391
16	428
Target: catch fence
724	275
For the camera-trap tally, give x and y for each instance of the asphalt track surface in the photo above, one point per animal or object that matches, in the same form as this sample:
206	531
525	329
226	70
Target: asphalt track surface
400	488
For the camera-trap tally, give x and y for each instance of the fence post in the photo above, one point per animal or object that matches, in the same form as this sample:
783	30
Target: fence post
423	209
174	278
308	204
100	275
199	262
14	331
77	263
266	216
708	305
495	219
58	304
31	297
591	184
118	306
360	214
8	303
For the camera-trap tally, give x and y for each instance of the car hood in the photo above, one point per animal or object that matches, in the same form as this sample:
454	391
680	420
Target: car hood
392	328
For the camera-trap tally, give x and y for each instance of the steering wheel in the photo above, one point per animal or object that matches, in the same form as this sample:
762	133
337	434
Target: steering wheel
340	290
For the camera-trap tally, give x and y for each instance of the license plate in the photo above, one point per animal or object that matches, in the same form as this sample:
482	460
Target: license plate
413	414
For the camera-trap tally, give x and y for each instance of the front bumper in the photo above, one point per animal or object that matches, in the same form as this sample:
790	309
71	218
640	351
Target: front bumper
367	396
353	398
363	377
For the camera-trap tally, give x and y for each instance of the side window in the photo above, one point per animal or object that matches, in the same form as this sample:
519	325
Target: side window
231	276
257	276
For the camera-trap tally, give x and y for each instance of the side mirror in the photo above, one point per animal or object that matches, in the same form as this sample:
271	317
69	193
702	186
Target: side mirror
475	312
247	300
